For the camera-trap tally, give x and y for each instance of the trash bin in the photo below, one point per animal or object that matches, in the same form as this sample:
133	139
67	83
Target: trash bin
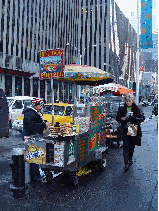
18	169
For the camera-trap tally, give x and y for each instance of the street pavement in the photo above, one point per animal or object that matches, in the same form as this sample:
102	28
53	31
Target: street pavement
115	190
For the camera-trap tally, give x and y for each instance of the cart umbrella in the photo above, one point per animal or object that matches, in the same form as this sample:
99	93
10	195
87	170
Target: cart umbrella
123	90
86	75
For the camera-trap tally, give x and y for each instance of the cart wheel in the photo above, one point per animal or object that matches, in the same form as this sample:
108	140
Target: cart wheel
48	175
102	163
74	180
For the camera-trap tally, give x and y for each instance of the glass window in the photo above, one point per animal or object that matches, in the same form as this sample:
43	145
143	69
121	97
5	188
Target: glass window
35	87
47	109
17	104
26	86
27	103
59	110
42	88
68	111
18	86
10	101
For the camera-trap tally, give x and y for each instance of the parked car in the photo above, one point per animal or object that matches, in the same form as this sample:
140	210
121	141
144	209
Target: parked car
62	113
16	105
4	115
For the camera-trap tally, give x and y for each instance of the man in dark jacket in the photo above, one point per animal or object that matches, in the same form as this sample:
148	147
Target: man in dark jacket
33	124
129	114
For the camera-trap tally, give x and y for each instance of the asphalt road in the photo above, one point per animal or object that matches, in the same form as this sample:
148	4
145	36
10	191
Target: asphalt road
110	190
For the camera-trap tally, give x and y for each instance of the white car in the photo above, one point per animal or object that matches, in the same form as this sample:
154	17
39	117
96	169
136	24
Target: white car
17	104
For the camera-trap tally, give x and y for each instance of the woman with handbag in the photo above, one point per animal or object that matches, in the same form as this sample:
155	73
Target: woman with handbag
130	117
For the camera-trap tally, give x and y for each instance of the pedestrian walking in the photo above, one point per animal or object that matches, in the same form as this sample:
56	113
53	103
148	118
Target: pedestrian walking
33	124
130	116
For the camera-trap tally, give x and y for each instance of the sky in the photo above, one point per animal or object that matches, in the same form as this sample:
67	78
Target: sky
128	6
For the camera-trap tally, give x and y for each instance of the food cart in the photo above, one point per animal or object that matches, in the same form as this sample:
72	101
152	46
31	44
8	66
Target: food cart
68	149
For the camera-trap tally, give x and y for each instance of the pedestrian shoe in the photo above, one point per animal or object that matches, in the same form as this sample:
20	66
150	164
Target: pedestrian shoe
130	162
126	167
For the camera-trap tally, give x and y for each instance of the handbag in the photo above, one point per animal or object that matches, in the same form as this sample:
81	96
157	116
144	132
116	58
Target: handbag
132	130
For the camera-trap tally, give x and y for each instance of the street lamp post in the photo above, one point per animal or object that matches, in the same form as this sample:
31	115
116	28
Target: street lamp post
137	62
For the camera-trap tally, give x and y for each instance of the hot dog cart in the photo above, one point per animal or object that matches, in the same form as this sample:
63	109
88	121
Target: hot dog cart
68	149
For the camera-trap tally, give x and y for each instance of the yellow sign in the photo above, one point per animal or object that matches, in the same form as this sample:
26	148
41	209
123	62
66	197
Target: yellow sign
35	155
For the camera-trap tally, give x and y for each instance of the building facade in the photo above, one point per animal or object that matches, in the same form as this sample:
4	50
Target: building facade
93	32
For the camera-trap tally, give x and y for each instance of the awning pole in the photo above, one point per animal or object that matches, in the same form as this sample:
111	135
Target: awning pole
52	90
137	62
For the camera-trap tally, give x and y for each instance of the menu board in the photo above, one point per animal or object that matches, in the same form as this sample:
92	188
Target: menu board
71	152
96	117
96	140
82	151
59	154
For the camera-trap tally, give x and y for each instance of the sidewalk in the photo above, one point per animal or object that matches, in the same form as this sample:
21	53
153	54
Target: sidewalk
137	189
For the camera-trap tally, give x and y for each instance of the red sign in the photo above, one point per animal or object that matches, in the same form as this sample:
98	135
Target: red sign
141	68
16	72
51	64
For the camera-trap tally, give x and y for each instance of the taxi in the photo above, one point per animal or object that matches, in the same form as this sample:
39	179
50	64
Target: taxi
63	112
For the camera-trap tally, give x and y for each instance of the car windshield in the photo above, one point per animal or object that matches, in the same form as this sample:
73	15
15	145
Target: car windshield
47	109
10	101
58	110
68	111
17	104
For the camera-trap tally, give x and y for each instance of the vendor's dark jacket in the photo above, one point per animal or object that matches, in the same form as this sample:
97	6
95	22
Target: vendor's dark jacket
136	119
32	123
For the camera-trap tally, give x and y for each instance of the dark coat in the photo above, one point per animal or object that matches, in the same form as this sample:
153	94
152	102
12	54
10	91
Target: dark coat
136	119
32	122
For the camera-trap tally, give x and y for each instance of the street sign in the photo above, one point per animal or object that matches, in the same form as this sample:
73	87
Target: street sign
51	64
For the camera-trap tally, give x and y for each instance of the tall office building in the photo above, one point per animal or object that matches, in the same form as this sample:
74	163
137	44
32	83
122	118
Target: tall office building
94	30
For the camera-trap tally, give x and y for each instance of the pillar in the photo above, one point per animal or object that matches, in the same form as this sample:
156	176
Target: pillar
22	86
46	91
58	90
63	91
68	91
3	82
78	93
73	88
31	87
13	85
38	88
